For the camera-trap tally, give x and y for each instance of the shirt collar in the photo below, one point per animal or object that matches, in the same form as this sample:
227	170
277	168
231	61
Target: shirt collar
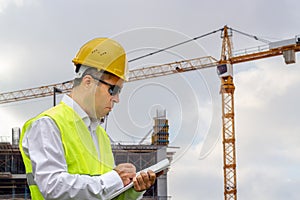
76	107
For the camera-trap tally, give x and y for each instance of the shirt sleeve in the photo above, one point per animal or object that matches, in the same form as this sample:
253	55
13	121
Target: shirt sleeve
42	143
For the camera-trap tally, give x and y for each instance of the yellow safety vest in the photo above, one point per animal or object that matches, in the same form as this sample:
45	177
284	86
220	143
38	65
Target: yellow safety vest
79	149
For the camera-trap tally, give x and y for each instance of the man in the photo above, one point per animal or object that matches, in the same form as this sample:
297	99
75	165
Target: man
67	154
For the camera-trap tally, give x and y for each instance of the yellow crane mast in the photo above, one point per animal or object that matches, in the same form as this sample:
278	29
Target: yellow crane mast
225	72
287	48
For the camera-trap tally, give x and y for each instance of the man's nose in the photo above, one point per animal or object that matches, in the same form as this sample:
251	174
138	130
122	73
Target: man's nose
116	98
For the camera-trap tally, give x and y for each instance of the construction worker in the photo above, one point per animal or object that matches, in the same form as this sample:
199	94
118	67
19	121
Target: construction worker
67	154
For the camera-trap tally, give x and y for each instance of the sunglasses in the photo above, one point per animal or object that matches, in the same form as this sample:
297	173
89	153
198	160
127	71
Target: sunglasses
113	89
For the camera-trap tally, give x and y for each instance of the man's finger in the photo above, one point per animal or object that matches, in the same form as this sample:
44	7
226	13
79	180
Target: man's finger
152	176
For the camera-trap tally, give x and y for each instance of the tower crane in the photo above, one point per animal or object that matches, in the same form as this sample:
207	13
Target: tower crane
224	66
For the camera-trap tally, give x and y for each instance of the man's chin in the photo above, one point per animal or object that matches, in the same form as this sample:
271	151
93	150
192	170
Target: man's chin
103	115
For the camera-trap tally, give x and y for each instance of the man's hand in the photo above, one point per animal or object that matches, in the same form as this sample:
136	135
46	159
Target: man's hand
144	181
126	172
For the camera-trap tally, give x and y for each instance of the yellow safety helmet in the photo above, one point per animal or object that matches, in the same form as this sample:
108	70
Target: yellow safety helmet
103	54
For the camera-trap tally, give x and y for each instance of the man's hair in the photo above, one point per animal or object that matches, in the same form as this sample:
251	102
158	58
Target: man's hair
99	74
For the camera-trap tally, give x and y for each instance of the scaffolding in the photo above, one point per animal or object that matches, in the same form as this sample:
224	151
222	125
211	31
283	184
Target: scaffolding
160	135
13	182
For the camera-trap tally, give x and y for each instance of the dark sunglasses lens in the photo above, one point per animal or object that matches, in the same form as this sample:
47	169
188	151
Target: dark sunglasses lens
113	90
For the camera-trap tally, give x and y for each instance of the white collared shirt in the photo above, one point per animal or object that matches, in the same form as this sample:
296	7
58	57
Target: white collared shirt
42	143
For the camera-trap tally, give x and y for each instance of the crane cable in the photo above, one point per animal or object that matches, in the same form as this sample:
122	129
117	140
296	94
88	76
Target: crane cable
252	36
196	38
175	45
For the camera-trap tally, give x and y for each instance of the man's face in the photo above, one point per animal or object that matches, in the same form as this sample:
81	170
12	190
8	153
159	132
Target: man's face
104	101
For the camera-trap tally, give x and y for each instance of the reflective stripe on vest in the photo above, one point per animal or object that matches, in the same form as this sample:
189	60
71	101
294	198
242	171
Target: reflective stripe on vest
30	179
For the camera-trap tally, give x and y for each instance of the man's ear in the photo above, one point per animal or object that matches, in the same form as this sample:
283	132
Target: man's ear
87	81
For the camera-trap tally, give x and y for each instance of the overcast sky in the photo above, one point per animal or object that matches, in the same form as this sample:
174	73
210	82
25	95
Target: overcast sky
39	38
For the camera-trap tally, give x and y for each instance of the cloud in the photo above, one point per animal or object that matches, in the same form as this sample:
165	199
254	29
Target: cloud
10	119
192	178
265	81
267	130
4	4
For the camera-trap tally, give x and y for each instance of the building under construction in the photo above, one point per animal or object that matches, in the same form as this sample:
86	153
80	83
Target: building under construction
13	183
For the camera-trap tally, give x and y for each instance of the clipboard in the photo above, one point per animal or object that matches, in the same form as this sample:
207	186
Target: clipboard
161	165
